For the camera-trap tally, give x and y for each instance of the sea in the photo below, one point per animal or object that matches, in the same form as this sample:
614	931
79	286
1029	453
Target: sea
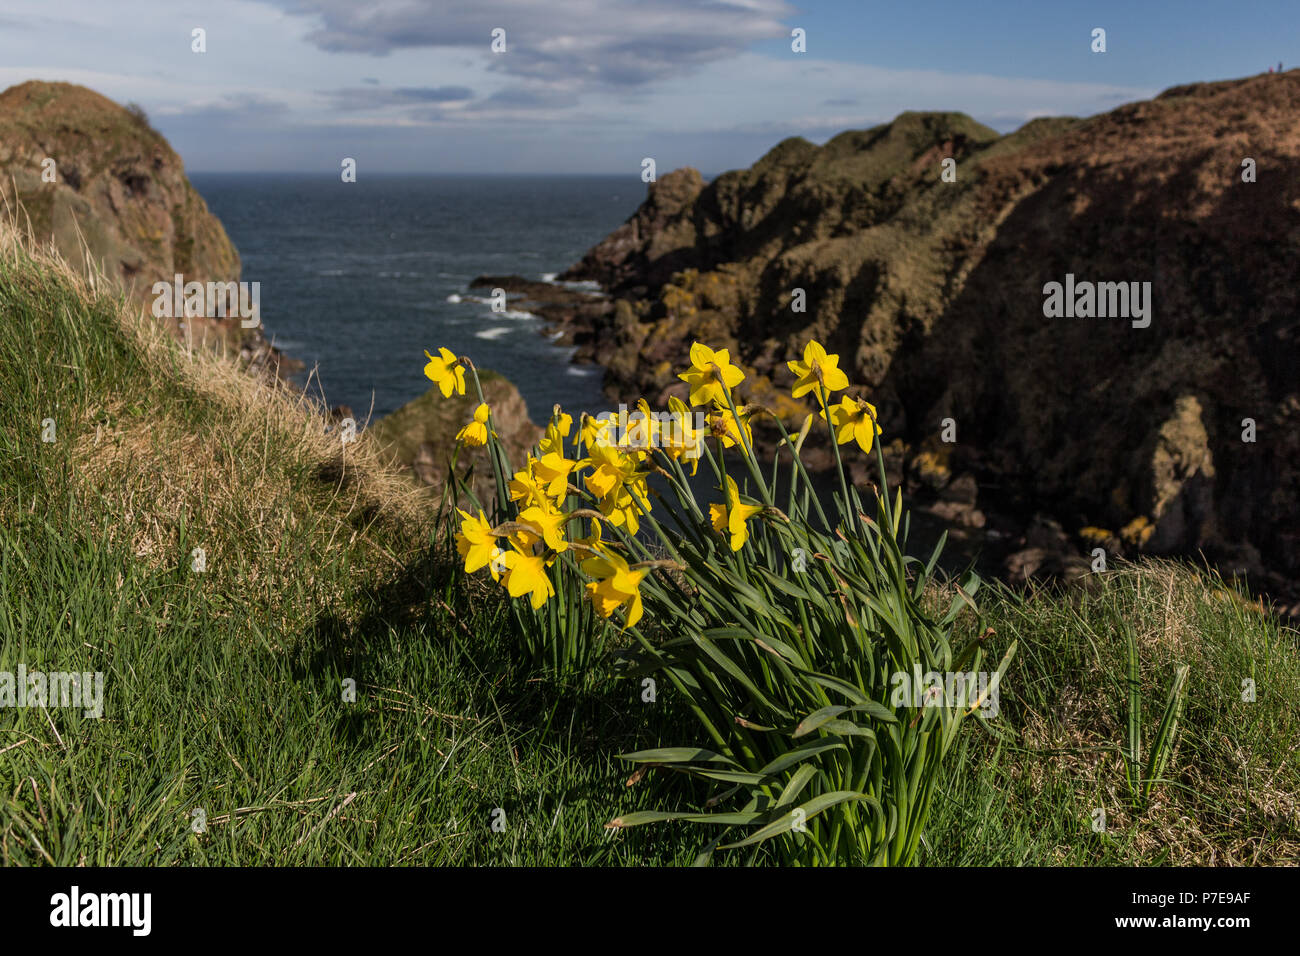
358	279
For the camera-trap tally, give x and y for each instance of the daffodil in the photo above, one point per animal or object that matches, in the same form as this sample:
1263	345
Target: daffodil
526	487
562	421
446	371
724	425
593	430
477	544
711	375
616	586
475	433
730	518
641	429
621	508
817	368
593	540
526	574
854	420
550	522
679	437
553	441
552	470
609	468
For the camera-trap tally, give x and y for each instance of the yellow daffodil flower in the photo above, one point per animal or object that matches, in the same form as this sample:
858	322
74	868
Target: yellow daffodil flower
446	372
552	470
525	486
609	468
723	425
817	368
475	433
477	544
711	375
563	421
731	517
616	586
621	508
641	431
854	420
679	437
549	522
526	574
593	430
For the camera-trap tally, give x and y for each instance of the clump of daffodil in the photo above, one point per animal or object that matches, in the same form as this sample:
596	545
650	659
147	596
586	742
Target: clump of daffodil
817	368
446	371
730	517
711	375
616	585
475	433
477	544
854	419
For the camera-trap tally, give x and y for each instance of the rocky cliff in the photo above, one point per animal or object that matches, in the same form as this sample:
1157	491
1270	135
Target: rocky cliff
1131	436
97	181
420	436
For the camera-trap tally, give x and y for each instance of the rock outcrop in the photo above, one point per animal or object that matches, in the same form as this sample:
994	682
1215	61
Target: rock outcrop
98	182
420	436
933	293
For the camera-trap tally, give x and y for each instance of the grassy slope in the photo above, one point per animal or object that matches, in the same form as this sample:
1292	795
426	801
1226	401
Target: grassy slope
223	687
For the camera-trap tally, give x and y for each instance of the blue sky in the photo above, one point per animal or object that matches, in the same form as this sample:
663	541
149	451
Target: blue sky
590	86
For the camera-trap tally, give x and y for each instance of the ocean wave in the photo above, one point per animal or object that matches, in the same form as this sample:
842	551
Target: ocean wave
454	298
515	314
580	372
330	272
492	334
549	276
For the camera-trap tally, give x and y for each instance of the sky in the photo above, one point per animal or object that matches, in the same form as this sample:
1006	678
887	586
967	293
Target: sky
595	86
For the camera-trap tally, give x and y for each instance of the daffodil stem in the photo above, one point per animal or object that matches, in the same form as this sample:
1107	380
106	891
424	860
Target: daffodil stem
847	510
750	462
803	471
495	452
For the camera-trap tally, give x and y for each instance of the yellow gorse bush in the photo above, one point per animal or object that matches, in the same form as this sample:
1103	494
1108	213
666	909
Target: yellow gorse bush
779	626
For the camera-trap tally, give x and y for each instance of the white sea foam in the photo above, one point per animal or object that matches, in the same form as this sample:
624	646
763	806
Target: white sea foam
492	334
454	298
580	372
549	276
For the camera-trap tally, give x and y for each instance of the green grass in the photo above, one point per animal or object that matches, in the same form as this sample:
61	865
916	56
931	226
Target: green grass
223	689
